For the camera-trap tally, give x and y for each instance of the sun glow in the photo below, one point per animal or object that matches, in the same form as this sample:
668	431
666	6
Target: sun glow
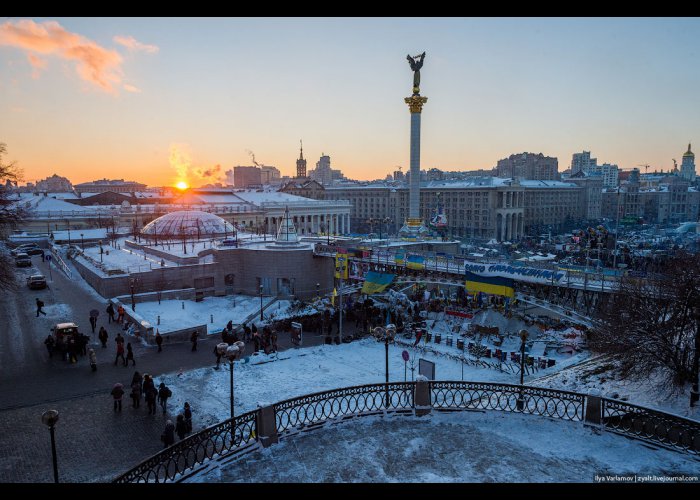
182	185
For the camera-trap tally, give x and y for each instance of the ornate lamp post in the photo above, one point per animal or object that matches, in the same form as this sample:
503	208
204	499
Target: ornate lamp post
233	353
50	417
523	337
387	334
261	302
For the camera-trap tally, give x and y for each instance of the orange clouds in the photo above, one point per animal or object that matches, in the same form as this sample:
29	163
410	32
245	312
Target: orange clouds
180	159
134	45
93	63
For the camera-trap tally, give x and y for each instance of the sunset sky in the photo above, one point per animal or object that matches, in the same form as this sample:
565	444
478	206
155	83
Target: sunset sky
167	100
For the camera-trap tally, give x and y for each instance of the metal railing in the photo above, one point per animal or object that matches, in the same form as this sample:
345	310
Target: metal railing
229	436
651	425
263	426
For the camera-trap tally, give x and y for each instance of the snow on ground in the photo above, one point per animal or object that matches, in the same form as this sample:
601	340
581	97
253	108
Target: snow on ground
302	371
173	317
453	447
599	376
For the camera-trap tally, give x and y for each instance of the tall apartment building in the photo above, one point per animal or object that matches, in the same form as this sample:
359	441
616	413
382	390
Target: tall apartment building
582	162
269	174
244	177
529	166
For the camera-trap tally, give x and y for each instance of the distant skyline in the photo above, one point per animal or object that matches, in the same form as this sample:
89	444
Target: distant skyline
161	101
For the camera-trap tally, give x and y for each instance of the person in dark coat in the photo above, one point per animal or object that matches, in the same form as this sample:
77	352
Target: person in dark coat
193	339
229	327
137	388
129	355
159	341
117	393
120	353
168	436
163	394
103	336
188	417
93	323
246	333
110	312
50	343
150	392
181	427
39	306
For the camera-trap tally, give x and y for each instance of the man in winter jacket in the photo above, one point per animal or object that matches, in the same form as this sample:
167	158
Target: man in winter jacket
117	393
168	436
163	394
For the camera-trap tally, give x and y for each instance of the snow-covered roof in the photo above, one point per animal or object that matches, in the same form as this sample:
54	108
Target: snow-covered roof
48	203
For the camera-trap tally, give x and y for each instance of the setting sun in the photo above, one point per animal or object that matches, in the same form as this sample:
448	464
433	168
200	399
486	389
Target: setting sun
181	185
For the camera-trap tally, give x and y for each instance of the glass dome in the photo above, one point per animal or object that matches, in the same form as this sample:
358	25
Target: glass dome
188	222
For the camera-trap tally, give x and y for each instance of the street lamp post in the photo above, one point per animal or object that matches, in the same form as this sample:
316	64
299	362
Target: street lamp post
694	392
133	301
233	353
101	251
318	291
155	232
523	337
82	242
261	302
387	334
50	417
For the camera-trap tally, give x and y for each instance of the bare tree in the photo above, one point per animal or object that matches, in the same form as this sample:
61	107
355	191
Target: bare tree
10	215
652	322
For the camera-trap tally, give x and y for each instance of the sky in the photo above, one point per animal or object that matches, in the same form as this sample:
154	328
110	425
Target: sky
178	99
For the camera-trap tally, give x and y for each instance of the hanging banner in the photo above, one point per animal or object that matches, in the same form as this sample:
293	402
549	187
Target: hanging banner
492	285
415	262
376	282
341	266
521	273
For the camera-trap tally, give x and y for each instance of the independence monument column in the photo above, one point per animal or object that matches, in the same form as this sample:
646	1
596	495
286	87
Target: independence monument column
414	224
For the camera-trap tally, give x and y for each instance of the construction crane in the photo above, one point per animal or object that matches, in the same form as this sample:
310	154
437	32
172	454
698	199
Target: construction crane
646	168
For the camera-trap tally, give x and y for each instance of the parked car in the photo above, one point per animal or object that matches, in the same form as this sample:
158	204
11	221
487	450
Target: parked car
60	330
36	281
28	248
23	260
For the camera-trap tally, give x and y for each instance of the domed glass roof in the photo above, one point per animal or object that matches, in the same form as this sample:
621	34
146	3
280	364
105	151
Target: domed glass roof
188	222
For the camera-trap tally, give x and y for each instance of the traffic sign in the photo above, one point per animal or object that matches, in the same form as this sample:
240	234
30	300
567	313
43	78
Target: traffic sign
405	356
47	257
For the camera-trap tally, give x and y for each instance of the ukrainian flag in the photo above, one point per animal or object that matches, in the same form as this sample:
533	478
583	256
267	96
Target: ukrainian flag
399	256
494	285
415	262
376	282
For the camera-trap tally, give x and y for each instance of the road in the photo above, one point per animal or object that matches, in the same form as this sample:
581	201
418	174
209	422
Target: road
94	443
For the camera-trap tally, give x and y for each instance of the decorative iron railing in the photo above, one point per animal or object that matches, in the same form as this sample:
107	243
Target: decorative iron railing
195	450
286	417
552	403
651	425
322	406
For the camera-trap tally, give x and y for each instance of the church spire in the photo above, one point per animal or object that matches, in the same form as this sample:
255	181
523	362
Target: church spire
301	150
301	162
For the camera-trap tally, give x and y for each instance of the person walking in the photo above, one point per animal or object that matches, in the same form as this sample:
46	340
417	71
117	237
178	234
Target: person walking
181	427
129	355
188	417
93	359
39	307
94	314
246	333
120	314
120	353
150	393
163	394
168	436
119	339
50	343
103	336
136	389
193	339
159	341
117	393
110	312
218	356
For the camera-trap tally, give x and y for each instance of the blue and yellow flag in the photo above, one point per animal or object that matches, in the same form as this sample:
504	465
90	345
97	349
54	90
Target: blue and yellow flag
494	285
376	282
415	262
399	256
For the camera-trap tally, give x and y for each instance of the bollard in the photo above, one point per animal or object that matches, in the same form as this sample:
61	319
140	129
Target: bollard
183	305
159	319
211	318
